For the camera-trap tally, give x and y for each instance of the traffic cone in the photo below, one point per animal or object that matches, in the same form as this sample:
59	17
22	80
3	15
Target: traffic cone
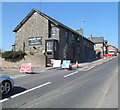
77	64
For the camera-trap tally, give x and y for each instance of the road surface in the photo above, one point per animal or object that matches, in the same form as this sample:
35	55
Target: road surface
91	88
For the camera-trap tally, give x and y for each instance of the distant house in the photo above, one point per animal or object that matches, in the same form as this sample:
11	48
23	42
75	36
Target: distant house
44	38
100	45
111	48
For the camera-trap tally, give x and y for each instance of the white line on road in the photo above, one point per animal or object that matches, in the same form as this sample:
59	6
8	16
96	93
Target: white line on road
70	74
24	92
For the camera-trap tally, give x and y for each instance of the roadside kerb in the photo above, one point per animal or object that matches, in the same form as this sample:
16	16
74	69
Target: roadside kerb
95	64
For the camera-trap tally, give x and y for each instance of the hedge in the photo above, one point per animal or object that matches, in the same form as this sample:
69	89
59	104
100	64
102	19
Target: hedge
13	54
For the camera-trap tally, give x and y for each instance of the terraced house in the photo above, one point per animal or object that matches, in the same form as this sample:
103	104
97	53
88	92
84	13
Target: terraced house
100	46
44	38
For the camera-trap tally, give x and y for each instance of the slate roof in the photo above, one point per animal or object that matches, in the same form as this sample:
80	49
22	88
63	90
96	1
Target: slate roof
97	39
49	18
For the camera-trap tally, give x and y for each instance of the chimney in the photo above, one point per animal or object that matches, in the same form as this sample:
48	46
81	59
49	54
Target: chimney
80	31
91	37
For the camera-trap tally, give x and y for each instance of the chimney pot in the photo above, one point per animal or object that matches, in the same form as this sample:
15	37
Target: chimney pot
91	37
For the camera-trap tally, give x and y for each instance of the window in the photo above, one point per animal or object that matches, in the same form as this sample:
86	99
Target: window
78	39
66	34
35	41
54	30
49	46
72	36
111	51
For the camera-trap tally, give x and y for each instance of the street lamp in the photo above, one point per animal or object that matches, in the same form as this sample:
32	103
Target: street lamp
82	21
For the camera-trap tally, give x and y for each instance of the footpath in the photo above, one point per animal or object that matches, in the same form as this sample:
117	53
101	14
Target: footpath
15	73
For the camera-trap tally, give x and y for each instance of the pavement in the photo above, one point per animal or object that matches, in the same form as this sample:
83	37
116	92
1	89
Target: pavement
15	73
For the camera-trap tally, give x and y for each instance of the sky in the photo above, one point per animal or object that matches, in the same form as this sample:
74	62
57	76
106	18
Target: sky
101	18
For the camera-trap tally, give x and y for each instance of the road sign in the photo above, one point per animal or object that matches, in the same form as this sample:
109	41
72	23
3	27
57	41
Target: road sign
57	63
26	67
66	64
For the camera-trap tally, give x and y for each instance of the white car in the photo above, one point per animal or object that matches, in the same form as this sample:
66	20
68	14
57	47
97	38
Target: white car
7	84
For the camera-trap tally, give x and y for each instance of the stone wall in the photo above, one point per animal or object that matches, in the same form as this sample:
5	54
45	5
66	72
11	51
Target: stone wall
36	61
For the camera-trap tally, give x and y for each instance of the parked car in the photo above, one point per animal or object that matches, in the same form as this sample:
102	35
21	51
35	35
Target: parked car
6	83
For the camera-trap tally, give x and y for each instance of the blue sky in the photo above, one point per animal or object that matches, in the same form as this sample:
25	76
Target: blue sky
101	18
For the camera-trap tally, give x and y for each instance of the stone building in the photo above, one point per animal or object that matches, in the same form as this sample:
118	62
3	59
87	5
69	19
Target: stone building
100	45
44	38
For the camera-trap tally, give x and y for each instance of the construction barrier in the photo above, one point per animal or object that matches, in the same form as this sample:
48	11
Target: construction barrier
26	68
57	63
66	64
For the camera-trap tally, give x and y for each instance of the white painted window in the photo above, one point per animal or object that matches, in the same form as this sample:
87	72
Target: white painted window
53	30
49	46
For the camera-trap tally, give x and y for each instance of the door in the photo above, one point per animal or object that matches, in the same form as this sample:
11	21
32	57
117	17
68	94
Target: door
51	51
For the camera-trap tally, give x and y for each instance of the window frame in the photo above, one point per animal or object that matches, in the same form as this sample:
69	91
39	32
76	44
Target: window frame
53	30
49	47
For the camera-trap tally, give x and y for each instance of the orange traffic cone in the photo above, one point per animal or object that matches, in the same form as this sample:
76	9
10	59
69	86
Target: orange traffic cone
77	64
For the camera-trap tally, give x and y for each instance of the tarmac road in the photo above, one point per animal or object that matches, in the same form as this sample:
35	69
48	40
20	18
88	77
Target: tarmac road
92	88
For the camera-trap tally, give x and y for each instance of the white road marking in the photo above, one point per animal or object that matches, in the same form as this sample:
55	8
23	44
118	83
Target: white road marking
24	92
70	74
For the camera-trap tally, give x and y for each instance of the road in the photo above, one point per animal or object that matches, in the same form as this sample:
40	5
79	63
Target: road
55	88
